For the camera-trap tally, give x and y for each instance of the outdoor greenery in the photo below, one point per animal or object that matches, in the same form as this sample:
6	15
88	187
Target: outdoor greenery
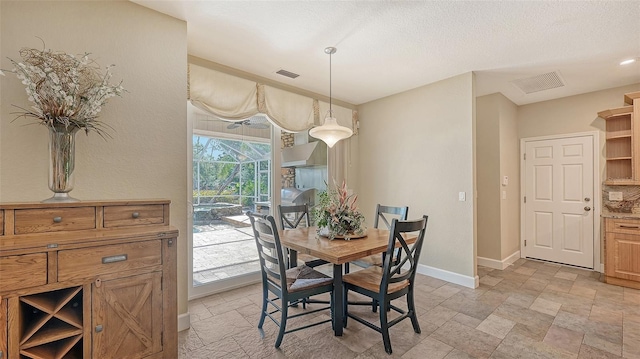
224	170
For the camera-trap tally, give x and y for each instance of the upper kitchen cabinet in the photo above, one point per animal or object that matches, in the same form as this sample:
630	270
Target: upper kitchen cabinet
623	142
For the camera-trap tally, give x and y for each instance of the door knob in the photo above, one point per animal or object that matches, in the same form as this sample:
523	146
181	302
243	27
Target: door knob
587	208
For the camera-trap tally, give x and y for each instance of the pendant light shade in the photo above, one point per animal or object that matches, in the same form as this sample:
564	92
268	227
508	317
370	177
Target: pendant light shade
330	132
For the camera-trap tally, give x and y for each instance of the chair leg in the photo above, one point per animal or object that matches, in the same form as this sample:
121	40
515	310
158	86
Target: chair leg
283	325
384	327
374	305
264	307
346	268
412	311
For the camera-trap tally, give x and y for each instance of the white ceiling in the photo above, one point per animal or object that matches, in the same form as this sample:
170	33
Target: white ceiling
386	47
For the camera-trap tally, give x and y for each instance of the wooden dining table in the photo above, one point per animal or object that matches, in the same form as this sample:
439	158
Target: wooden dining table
338	252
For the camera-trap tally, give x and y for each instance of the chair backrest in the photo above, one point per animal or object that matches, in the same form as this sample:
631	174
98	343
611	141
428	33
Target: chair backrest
392	269
293	216
381	211
272	260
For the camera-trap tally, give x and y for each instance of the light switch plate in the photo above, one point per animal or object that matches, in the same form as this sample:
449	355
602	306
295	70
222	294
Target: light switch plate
615	196
462	196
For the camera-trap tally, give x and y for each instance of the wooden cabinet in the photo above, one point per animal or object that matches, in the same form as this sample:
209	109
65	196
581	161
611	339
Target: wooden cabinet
623	142
3	329
88	280
622	252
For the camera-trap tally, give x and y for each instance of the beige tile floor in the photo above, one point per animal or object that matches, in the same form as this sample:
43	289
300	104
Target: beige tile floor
530	310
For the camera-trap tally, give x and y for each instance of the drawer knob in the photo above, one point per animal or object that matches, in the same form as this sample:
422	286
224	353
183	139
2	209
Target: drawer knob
57	219
98	328
135	215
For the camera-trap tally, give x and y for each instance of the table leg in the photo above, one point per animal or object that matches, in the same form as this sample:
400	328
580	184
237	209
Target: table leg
293	258
338	301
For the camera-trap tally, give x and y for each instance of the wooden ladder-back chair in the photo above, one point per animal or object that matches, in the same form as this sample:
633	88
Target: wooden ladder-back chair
391	281
288	285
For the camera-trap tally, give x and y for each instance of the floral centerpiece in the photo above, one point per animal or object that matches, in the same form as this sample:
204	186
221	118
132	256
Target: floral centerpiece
337	215
67	93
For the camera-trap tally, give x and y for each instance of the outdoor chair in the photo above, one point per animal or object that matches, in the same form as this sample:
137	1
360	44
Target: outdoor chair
391	281
288	285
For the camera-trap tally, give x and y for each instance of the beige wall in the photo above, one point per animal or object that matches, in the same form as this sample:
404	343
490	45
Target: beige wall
416	149
510	167
147	156
488	176
497	156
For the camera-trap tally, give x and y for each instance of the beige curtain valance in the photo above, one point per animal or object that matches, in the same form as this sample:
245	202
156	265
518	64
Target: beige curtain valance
233	98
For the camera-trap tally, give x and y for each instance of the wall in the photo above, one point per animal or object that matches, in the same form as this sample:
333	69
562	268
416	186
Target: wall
510	167
498	205
488	176
146	158
417	149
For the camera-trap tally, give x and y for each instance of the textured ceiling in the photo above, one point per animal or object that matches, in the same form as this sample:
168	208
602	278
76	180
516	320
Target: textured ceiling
393	46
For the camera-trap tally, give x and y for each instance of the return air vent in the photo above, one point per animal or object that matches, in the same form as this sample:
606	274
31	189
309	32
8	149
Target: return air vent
287	74
537	83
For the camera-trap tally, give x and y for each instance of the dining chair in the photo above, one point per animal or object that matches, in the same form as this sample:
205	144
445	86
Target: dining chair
293	217
382	212
392	281
288	285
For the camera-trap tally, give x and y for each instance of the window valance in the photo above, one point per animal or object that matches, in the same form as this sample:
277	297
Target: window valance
233	98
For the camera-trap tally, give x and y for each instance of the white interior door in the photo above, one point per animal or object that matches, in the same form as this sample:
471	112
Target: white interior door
558	209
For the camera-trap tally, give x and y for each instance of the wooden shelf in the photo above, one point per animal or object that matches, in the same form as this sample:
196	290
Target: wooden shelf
56	350
611	113
629	97
622	150
51	323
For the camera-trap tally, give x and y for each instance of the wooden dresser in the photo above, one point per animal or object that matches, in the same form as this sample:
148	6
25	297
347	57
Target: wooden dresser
88	280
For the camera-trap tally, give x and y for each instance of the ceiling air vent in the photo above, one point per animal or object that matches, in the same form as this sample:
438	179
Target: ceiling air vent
287	74
537	83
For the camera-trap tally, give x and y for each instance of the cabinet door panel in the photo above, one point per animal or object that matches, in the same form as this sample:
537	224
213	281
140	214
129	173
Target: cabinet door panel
127	317
623	256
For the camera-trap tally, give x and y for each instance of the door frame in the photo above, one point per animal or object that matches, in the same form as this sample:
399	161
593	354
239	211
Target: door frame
597	190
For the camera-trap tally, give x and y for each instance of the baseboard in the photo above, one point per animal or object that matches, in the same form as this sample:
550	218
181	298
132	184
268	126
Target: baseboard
496	264
455	278
184	321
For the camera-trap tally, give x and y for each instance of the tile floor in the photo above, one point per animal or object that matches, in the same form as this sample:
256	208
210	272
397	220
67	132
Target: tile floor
530	310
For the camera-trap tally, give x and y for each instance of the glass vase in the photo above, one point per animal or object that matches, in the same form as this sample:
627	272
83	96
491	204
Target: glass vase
62	153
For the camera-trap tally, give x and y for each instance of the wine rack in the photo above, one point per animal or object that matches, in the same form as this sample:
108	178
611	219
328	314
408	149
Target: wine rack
51	324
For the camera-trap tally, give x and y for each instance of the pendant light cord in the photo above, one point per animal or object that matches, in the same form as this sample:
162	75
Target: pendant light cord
330	111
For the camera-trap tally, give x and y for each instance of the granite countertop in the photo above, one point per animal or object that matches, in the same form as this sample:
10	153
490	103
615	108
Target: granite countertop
620	215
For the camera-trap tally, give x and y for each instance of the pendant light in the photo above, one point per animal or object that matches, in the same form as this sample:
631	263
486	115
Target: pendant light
330	132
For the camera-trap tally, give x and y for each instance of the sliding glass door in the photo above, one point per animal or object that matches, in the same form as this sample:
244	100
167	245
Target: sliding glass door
232	174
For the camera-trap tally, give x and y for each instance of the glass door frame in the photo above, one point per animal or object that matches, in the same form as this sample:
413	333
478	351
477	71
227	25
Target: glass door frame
223	285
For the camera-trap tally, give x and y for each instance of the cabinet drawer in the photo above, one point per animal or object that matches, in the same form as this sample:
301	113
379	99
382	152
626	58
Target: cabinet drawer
17	272
627	226
94	261
43	220
123	216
